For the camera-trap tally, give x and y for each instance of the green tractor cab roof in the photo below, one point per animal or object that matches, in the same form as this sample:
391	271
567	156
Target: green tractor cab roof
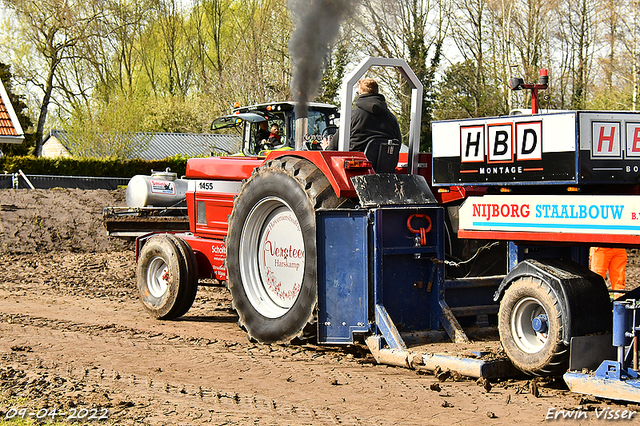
263	112
236	120
281	106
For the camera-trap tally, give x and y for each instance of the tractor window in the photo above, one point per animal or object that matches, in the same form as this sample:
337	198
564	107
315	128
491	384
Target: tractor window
321	124
279	120
318	121
251	131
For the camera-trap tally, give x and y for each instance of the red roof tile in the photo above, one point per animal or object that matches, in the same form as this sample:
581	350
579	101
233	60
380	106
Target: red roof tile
6	126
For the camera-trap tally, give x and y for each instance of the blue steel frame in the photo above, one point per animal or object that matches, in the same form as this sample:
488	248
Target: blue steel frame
618	379
516	253
408	277
375	276
343	293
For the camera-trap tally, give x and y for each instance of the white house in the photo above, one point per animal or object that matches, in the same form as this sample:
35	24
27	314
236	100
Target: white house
10	129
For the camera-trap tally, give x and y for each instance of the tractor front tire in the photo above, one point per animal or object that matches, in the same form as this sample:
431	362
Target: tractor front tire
530	327
271	249
167	276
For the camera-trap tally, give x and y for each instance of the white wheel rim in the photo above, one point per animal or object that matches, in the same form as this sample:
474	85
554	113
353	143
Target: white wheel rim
272	257
522	330
157	277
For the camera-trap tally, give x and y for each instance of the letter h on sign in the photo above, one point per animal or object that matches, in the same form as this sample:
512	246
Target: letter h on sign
472	144
605	139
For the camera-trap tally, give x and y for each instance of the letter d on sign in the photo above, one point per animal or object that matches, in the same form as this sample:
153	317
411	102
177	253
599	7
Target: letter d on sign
529	140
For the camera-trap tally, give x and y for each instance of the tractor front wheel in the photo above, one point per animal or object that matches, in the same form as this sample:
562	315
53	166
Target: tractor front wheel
167	276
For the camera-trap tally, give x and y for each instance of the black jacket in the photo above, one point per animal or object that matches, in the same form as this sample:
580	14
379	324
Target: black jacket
370	119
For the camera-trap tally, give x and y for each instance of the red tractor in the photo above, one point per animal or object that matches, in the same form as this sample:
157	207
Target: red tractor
319	242
252	220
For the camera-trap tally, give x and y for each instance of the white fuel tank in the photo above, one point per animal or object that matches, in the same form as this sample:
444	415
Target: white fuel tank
161	189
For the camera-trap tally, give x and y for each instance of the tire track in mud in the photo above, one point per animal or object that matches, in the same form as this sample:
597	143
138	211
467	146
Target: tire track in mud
232	404
280	365
240	382
202	368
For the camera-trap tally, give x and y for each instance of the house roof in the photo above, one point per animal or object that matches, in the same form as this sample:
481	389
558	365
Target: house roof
10	129
162	145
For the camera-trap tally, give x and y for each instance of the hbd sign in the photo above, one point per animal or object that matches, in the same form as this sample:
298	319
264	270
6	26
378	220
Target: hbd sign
502	150
501	144
560	147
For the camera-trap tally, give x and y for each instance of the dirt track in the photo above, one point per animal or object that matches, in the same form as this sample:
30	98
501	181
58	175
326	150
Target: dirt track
75	336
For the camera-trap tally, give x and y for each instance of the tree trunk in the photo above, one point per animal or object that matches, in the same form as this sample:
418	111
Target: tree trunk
44	108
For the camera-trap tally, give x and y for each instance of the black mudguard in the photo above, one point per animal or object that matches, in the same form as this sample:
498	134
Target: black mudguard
583	295
387	189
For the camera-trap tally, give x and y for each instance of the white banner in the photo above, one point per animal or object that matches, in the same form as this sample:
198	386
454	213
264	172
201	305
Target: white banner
583	214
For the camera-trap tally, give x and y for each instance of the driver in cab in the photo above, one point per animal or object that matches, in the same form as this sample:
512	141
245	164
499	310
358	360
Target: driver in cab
268	139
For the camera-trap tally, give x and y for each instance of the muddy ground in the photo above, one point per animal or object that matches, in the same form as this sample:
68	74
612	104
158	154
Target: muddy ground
75	340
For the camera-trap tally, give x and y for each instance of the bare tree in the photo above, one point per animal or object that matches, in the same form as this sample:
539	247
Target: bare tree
579	19
53	29
468	33
414	30
627	67
502	18
211	45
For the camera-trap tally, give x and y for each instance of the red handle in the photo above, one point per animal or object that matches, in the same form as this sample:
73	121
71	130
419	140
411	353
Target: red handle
422	231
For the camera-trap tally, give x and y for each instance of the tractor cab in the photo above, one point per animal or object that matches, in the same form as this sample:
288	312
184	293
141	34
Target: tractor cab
321	123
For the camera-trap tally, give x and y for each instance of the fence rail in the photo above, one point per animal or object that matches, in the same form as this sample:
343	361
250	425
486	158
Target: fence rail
21	180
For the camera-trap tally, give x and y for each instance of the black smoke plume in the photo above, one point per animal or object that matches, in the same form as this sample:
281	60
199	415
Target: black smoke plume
316	24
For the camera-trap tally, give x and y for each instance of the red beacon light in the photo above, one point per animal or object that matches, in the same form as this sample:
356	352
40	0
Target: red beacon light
517	83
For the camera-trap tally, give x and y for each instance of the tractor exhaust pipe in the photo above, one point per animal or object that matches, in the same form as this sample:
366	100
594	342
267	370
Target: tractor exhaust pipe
302	124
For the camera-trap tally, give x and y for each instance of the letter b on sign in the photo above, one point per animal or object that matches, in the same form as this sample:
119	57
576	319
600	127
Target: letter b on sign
500	140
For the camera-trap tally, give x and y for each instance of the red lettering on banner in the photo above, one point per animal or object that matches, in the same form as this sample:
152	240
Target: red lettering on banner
500	210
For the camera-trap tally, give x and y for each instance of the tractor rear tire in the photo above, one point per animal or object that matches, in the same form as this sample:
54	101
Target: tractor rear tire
539	352
167	276
271	249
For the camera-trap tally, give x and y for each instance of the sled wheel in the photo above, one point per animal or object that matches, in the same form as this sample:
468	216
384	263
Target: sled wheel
166	275
530	326
271	248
